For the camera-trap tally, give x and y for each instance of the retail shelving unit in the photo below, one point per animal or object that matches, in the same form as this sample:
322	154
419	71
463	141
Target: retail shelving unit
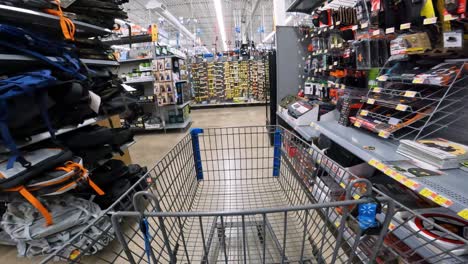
228	82
405	106
160	80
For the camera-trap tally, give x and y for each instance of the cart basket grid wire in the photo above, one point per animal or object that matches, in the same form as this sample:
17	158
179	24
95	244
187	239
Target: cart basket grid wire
253	195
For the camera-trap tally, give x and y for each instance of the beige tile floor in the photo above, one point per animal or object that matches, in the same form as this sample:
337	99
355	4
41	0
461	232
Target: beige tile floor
151	147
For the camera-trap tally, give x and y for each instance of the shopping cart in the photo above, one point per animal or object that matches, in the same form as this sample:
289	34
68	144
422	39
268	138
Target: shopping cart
234	195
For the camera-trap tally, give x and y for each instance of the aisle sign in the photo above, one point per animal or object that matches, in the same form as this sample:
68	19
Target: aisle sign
154	33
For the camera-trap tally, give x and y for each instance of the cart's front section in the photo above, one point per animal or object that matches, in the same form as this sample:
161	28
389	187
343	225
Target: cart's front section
229	195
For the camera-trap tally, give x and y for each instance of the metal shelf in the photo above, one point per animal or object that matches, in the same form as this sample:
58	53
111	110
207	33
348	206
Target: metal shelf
135	60
140	80
23	58
305	131
36	18
100	62
448	190
179	125
129	40
195	106
356	140
46	135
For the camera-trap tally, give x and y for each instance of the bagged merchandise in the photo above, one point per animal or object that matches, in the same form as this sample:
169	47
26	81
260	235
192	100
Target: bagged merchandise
22	223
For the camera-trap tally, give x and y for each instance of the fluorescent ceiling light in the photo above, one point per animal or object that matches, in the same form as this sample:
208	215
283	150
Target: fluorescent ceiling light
219	16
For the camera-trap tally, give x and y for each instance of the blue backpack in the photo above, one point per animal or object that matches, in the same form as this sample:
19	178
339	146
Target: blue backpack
32	84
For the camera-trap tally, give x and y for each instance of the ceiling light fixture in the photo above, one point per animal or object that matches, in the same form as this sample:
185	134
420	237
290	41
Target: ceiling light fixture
219	16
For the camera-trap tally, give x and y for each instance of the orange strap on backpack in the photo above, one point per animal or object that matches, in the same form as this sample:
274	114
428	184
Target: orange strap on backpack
70	166
68	28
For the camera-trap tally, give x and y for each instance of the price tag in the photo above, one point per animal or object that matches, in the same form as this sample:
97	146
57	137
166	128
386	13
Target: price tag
382	78
381	166
320	32
391	227
399	177
332	46
325	29
373	162
384	134
411	184
376	32
449	17
390	30
357	124
464	214
364	112
401	107
335	63
405	26
355	27
418	80
430	21
338	23
325	51
364	25
356	197
427	193
330	67
343	86
442	201
410	94
377	90
332	27
339	45
370	101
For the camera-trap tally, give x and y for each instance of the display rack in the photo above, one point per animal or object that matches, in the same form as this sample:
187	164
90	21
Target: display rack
43	20
416	103
160	83
228	81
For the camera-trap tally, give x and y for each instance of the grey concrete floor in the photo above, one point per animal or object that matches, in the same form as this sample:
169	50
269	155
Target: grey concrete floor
150	147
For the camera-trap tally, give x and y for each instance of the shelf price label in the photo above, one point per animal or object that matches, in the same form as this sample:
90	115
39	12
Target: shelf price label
335	63
405	26
364	112
442	201
377	89
357	123
384	134
401	107
449	17
411	184
418	80
463	213
390	30
376	32
364	24
391	226
373	162
425	192
429	21
410	94
382	78
343	86
355	27
370	100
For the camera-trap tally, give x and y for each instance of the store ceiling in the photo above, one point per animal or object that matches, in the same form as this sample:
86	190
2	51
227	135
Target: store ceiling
200	16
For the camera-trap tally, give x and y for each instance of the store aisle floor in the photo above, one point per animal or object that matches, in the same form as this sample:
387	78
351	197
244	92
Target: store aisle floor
149	148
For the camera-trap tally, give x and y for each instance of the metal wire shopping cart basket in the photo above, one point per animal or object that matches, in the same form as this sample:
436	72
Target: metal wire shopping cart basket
247	195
